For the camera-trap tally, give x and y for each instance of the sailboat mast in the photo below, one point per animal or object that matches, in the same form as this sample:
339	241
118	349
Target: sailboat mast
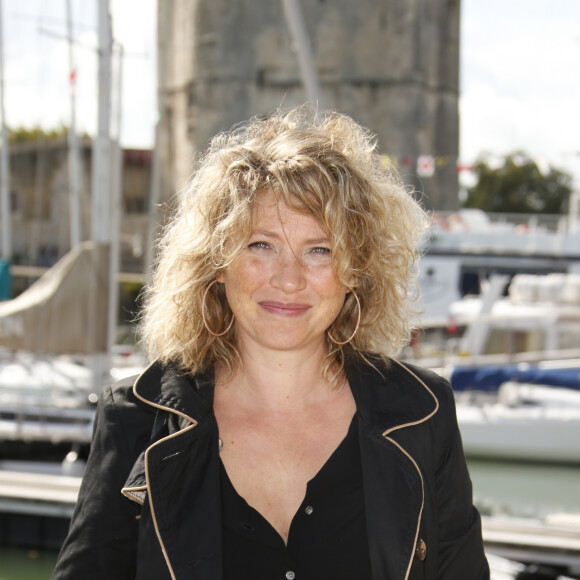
6	229
73	144
101	183
101	178
116	206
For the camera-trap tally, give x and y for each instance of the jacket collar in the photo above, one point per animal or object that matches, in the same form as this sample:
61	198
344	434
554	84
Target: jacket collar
189	399
165	387
391	396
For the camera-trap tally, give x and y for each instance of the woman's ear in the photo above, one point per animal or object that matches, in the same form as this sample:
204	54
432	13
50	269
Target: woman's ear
220	277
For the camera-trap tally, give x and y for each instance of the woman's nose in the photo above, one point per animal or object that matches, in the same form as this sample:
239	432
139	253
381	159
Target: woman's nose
289	274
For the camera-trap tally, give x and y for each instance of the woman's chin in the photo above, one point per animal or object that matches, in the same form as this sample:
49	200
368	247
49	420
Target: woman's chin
280	341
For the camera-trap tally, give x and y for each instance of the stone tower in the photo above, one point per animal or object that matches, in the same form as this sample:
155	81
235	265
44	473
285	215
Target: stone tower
393	65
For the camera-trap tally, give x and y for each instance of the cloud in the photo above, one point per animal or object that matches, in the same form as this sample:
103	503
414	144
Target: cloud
139	68
519	81
543	127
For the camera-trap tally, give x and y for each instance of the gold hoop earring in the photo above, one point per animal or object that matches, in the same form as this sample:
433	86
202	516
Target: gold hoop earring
203	314
338	343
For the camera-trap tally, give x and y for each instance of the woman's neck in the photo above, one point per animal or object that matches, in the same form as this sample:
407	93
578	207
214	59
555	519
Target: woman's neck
279	380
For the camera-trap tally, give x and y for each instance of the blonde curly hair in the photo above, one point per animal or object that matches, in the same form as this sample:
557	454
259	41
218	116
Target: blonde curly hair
322	164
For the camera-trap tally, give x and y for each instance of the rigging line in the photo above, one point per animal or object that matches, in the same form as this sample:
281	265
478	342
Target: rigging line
39	193
51	195
52	20
61	36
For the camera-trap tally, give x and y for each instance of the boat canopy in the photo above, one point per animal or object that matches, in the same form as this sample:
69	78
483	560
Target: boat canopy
491	377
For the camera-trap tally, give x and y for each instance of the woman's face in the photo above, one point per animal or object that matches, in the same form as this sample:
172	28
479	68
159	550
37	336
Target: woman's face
281	287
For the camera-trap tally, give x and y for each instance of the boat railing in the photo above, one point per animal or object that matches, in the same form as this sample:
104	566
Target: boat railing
442	362
520	222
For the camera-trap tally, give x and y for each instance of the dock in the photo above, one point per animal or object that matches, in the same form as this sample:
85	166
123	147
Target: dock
38	494
553	541
36	508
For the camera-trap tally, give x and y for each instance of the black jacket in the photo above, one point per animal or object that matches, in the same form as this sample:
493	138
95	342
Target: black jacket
149	504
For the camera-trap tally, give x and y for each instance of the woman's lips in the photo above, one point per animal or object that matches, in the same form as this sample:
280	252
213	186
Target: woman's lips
284	309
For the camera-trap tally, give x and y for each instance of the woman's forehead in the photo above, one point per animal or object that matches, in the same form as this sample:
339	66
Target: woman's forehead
272	210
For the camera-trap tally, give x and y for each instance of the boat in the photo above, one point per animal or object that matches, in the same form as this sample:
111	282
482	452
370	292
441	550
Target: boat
519	412
51	399
490	378
515	368
463	250
523	422
45	400
539	313
59	334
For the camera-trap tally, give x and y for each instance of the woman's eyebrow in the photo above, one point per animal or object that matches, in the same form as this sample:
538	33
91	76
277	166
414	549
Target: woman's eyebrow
271	234
315	241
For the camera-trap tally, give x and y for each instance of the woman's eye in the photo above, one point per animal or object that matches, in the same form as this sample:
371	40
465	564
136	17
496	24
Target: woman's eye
259	245
322	251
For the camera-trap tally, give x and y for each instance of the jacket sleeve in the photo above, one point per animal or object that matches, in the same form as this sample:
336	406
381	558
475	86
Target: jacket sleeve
461	555
102	539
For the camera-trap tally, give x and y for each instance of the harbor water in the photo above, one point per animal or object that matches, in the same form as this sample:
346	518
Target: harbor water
499	488
26	564
524	489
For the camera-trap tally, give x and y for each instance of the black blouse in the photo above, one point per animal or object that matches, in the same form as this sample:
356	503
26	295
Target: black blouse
327	537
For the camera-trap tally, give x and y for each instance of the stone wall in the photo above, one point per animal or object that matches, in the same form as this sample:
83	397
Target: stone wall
393	65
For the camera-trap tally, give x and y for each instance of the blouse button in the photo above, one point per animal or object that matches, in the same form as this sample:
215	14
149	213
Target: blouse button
290	575
421	550
308	510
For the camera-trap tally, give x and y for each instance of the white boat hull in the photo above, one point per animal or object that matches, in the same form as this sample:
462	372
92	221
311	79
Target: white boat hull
528	424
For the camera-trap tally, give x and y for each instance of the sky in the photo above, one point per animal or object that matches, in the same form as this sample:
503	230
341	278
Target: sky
37	65
520	73
520	80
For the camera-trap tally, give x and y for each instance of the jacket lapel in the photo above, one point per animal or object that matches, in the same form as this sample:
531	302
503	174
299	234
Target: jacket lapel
387	401
182	473
393	491
178	472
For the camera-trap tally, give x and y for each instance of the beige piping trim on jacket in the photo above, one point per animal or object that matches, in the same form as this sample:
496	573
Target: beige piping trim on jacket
155	524
386	436
138	493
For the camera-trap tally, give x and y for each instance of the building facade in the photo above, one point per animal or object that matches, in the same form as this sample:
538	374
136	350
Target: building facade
40	202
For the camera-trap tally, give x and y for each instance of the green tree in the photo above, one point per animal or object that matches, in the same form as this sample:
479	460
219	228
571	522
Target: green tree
518	185
34	134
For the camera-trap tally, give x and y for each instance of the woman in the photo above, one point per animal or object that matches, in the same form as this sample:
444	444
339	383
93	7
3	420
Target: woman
273	437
